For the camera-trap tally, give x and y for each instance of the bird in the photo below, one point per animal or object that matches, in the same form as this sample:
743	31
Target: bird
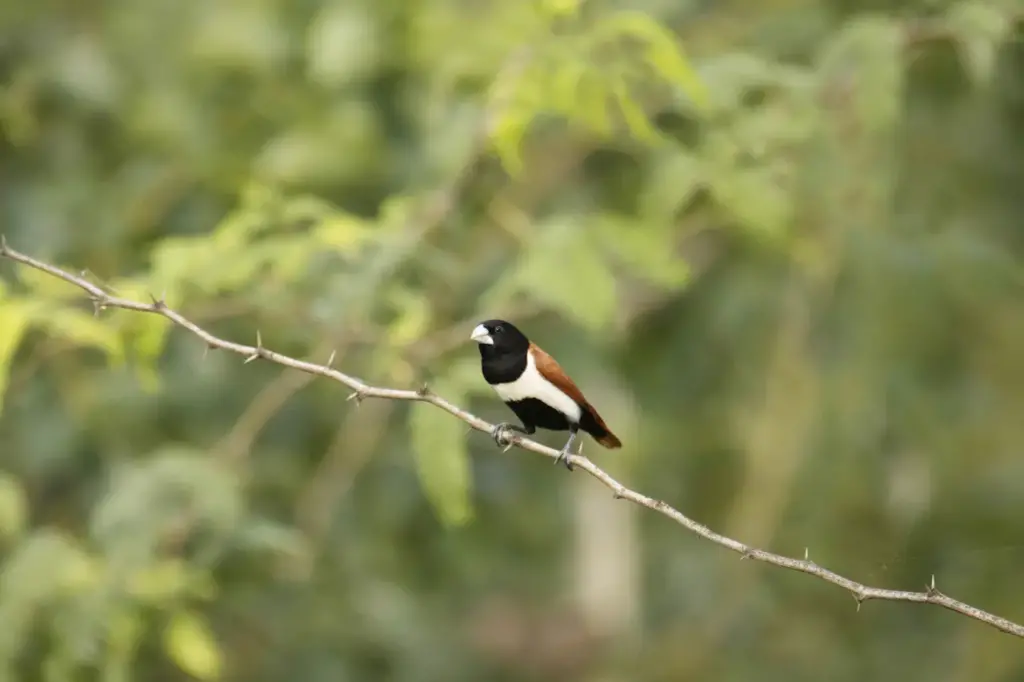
536	388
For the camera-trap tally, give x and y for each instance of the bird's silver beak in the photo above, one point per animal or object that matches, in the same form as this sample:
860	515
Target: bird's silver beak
481	335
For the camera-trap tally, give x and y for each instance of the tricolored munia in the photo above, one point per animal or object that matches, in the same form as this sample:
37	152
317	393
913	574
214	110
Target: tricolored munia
535	387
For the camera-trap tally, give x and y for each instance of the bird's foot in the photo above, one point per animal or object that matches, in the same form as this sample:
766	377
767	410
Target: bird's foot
563	457
502	434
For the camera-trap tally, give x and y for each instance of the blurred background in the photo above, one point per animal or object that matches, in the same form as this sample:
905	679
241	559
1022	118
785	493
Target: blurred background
777	242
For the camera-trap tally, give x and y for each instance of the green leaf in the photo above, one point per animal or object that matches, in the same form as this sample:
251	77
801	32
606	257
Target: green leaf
648	250
45	565
867	54
442	458
558	9
125	629
513	101
591	106
14	321
13	507
676	178
733	74
565	268
146	495
341	232
564	84
261	535
159	581
509	128
663	53
45	569
756	201
81	329
979	29
636	119
190	643
412	317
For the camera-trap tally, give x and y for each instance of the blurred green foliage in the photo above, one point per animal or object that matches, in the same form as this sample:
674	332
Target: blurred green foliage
777	243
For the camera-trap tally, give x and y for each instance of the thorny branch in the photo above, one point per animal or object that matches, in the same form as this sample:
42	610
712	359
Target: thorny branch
360	391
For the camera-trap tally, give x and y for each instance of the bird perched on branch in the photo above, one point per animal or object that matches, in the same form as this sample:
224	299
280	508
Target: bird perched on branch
536	388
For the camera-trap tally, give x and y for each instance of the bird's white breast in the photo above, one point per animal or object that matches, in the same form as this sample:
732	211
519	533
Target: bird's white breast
532	384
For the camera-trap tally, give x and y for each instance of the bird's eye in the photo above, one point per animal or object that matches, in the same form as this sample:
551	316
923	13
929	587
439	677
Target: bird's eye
498	329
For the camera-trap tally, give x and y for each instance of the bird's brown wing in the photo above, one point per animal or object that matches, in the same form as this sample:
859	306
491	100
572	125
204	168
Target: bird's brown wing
553	372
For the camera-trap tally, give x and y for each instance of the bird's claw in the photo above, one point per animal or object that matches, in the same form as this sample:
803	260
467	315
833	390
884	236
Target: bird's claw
501	435
563	457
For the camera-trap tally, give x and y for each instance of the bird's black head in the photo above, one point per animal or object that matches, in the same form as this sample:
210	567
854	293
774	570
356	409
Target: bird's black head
498	337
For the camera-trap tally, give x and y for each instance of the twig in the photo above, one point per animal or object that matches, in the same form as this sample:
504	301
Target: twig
361	390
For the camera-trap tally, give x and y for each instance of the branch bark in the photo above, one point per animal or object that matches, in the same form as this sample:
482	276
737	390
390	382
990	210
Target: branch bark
360	390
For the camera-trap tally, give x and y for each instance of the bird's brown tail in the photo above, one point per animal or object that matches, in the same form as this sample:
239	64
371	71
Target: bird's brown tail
598	430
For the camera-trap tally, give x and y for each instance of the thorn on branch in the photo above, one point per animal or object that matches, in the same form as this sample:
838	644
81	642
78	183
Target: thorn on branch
3	245
356	395
159	303
330	360
423	391
859	598
259	352
99	304
931	591
617	494
747	553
